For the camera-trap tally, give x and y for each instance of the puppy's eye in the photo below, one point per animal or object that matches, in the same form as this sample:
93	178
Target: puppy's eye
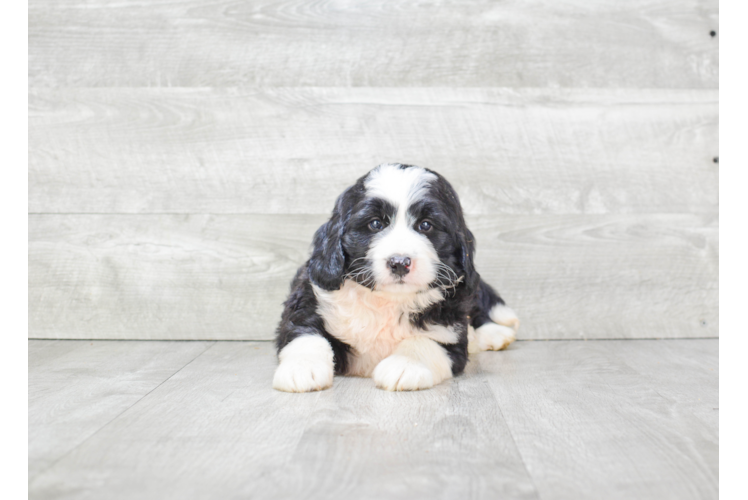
376	225
425	226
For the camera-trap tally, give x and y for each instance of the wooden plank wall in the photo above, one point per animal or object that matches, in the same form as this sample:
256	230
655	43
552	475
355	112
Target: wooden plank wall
181	154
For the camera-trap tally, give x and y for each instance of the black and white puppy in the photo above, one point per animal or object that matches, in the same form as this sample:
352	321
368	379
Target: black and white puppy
390	290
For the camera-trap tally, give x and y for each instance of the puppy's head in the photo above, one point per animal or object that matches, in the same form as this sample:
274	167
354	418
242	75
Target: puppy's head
399	229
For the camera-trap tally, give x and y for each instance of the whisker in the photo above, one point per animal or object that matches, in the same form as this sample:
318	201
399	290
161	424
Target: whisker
446	278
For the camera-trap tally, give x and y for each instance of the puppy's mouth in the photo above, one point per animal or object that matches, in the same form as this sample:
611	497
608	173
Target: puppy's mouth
400	285
399	281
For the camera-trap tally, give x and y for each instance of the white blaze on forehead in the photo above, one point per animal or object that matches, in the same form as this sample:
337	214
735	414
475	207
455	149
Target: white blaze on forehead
399	186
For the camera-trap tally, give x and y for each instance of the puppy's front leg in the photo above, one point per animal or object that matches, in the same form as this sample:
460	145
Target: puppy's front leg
306	364
417	363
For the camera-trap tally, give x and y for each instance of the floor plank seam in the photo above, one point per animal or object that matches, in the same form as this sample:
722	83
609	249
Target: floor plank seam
42	472
296	445
509	430
652	382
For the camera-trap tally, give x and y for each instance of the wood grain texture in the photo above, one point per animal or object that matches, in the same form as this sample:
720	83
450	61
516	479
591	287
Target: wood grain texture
448	442
78	387
540	43
525	151
218	430
47	350
225	276
552	420
684	373
163	276
589	425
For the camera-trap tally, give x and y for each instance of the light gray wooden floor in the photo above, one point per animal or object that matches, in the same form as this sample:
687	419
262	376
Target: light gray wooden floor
544	419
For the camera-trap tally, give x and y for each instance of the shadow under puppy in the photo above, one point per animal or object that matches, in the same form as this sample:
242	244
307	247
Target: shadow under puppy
390	290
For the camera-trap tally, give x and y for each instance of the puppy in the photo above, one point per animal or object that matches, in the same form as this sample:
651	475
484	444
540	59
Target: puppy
390	290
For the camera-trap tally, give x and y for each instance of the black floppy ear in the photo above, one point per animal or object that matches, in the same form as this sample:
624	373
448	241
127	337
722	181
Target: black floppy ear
327	264
467	254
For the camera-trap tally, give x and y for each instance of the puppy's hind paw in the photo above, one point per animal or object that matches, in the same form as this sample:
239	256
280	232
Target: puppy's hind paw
504	316
490	337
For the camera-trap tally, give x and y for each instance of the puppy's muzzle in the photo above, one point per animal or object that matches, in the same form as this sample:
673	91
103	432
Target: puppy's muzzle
399	265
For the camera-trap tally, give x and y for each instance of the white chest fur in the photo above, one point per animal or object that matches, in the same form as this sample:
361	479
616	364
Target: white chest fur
374	323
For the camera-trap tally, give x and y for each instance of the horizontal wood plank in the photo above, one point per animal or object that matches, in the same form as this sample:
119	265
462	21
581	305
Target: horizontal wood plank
78	387
590	426
506	151
540	43
225	276
162	276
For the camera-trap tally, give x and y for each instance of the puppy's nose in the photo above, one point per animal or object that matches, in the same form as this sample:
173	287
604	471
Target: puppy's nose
399	265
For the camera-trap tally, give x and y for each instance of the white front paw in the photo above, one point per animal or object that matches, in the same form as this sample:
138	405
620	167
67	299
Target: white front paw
491	337
306	364
400	373
302	376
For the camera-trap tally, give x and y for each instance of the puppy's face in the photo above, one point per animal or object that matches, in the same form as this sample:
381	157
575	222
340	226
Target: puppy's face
400	230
